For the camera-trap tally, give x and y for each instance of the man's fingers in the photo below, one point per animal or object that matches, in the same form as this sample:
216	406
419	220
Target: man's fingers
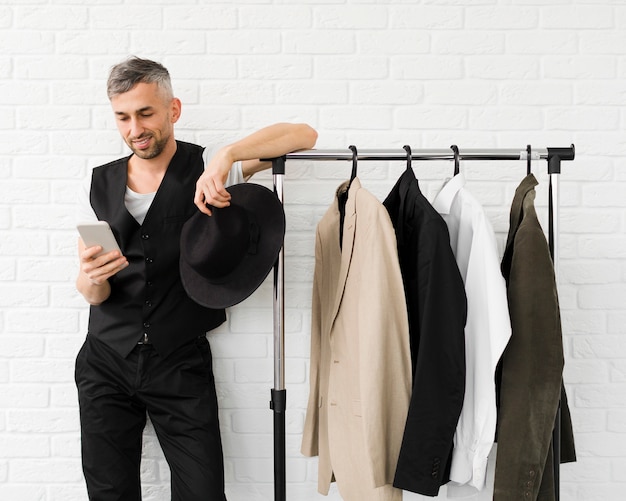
100	268
208	193
102	273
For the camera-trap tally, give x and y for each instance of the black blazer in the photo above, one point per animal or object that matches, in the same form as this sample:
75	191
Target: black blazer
437	309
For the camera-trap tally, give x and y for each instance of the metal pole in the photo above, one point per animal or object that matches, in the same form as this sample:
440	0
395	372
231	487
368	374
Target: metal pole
555	195
566	153
279	394
554	169
556	434
279	303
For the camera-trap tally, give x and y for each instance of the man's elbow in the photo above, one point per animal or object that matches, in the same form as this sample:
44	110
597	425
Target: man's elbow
309	135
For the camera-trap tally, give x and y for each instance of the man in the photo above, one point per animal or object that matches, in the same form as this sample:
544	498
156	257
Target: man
146	350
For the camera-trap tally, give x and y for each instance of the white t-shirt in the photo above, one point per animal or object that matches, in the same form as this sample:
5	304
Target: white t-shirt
137	203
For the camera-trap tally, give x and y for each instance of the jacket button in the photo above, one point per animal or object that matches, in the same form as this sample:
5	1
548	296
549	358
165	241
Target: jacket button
145	236
146	325
149	260
148	304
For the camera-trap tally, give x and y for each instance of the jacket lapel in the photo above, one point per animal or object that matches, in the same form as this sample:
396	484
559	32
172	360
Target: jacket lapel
347	245
528	184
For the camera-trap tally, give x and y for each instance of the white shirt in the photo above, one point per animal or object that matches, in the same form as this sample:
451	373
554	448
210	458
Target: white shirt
487	331
137	203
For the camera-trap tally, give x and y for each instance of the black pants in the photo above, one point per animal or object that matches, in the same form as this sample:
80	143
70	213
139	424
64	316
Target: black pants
178	393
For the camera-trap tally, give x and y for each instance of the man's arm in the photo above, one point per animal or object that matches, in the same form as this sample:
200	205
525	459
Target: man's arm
269	142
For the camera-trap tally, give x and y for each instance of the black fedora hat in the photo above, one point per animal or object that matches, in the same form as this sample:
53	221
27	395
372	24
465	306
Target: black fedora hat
225	257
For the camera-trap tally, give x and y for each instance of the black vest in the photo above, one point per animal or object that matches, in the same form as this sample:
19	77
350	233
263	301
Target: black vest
148	296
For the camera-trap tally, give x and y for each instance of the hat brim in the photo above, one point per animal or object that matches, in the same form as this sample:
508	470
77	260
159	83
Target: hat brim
253	269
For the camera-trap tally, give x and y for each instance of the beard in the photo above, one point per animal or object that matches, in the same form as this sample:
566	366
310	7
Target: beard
154	150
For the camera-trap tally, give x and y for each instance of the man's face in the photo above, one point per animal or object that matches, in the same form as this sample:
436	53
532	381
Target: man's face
145	118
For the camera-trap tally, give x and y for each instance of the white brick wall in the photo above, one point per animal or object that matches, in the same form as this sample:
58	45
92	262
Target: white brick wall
489	73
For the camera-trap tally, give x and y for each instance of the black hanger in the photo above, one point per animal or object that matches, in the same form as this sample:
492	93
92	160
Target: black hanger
528	159
354	164
409	154
457	159
342	198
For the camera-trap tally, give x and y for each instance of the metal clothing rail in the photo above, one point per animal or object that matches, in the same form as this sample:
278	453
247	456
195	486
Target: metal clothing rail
550	154
278	402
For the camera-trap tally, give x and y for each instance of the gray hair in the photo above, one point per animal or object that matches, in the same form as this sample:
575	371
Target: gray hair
125	75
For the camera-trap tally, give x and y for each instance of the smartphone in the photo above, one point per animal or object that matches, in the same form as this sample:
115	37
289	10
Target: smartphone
98	233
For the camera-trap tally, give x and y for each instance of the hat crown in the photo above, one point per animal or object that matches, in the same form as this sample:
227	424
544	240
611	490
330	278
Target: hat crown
216	249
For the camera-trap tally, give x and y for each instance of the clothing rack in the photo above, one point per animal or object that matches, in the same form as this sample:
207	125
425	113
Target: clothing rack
554	156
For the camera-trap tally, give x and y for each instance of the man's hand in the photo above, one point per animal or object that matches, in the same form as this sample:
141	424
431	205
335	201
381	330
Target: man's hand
98	269
95	271
210	189
269	142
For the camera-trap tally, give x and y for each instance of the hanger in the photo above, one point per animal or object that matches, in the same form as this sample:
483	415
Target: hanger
457	158
354	164
409	154
342	198
528	159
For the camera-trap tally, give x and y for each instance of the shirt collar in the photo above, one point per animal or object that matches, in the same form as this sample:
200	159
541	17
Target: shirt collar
443	200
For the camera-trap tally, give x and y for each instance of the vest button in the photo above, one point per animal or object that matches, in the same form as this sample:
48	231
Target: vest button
148	303
149	284
149	260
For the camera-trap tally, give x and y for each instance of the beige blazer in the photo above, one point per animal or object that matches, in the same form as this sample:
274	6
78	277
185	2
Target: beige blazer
360	373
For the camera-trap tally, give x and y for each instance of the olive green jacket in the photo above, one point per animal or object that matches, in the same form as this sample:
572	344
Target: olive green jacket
532	364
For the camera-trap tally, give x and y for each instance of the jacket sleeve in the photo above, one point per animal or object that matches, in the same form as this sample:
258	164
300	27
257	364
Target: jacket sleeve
437	312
